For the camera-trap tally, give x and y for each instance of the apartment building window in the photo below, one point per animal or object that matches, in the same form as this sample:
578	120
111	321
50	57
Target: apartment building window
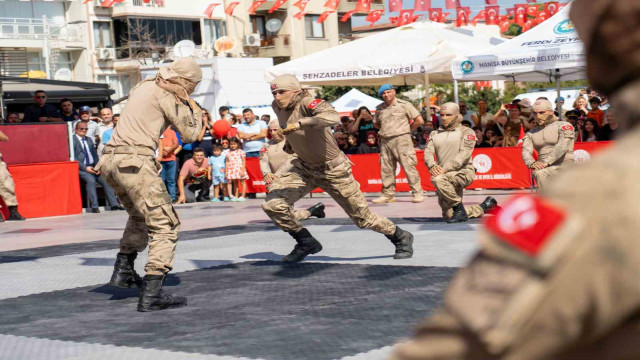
258	24
213	29
141	37
120	83
313	30
36	62
54	10
102	34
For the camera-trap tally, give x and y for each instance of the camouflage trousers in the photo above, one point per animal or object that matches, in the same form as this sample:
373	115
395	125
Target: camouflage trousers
337	180
543	176
450	186
398	149
152	219
7	186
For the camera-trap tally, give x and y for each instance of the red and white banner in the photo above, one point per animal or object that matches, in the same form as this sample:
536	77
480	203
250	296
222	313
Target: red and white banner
496	168
395	5
422	5
492	15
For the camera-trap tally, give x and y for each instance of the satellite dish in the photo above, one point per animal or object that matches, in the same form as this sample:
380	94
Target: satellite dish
184	48
63	74
273	25
224	44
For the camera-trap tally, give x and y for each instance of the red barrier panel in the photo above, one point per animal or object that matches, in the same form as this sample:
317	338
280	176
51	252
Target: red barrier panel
496	168
50	189
37	143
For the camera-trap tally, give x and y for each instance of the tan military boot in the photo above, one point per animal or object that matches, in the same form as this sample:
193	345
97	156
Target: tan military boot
418	198
383	200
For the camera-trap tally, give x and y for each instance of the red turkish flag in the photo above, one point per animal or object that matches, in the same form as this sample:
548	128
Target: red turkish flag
532	10
363	6
452	4
395	5
542	16
209	10
393	19
511	12
146	1
346	16
492	15
300	15
255	5
435	15
231	7
405	17
374	16
444	17
504	25
422	5
531	1
482	15
491	2
521	14
107	3
332	4
482	84
551	7
462	16
301	4
324	16
276	5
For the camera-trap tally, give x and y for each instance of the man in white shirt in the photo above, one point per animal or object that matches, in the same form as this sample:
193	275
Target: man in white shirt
107	116
85	116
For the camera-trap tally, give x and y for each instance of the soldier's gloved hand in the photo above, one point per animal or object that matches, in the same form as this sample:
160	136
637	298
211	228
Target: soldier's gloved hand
537	166
436	170
268	179
291	128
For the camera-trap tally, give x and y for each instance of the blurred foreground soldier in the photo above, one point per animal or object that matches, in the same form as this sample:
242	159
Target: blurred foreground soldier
557	276
453	145
396	119
552	139
130	167
306	123
273	160
8	188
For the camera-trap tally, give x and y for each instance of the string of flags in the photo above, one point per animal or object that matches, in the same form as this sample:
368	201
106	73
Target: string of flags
526	15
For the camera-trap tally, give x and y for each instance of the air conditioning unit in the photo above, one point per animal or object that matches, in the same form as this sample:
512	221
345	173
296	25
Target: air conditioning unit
105	54
252	40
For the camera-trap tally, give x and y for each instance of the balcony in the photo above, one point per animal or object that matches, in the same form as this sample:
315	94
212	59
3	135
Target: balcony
348	5
275	46
158	8
35	30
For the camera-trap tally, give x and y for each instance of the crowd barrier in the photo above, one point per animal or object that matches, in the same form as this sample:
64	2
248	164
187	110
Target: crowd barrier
496	168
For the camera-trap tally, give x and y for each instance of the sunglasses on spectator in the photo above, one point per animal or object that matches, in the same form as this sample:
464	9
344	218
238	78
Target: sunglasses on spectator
41	97
83	129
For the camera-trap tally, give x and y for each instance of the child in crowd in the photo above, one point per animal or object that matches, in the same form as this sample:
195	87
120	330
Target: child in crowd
236	168
217	165
225	145
595	113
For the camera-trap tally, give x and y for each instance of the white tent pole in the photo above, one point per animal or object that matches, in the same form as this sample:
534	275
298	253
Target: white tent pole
558	106
427	95
456	98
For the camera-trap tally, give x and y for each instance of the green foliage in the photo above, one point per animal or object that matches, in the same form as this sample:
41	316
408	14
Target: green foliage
332	93
514	30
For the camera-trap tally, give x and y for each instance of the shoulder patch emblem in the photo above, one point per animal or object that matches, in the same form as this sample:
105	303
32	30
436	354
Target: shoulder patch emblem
314	103
471	137
264	149
526	223
567	127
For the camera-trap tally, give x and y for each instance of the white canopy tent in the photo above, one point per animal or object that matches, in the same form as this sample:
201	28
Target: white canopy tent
353	100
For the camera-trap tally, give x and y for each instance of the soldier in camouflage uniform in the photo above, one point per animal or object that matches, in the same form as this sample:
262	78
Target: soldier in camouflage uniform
8	188
306	125
130	168
557	274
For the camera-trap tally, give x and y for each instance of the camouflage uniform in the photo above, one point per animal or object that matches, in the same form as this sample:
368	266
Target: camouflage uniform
557	276
7	186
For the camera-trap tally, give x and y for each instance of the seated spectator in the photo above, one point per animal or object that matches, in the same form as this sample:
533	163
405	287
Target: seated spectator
491	138
483	116
7	188
339	128
236	170
253	134
85	117
341	140
352	140
371	145
363	124
508	127
193	180
168	162
107	124
87	157
466	114
610	130
41	111
580	105
266	118
480	141
591	130
67	113
595	113
13	118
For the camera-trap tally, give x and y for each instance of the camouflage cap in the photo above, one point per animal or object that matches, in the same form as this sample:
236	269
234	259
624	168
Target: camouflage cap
542	105
187	68
285	82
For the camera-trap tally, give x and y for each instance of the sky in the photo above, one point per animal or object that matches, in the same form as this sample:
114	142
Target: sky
475	5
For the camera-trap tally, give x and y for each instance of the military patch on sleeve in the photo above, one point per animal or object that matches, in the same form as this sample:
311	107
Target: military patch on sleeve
526	223
264	149
471	137
314	103
567	127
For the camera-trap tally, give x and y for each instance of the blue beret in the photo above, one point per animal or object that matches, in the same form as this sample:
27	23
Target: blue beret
384	88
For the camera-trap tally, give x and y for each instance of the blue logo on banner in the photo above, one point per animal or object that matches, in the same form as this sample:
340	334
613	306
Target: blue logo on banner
564	27
467	67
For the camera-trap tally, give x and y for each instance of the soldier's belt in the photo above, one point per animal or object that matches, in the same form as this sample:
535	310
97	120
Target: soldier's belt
327	165
134	150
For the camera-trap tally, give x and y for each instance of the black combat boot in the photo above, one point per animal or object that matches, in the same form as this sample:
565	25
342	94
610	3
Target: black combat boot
317	210
152	297
306	244
124	274
489	204
1	217
14	214
459	214
403	240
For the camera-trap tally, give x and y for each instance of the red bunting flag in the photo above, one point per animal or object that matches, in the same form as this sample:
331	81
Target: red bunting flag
492	15
551	7
255	5
532	10
483	84
511	13
324	16
393	19
405	17
301	4
491	2
444	17
363	6
374	16
452	4
146	1
542	16
482	15
332	4
209	10
86	1
422	5
346	16
231	7
300	15
395	5
276	5
435	15
462	16
107	3
521	14
504	25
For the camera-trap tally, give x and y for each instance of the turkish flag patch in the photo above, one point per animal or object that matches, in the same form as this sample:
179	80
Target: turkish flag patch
273	87
471	137
314	103
567	127
263	149
526	223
